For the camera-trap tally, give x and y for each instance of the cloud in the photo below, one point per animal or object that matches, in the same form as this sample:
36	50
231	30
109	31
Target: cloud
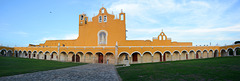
65	37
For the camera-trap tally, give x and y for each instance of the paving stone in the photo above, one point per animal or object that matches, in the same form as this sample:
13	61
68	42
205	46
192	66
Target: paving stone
89	72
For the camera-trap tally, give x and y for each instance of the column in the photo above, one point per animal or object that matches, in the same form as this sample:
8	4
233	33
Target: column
130	59
75	58
152	58
141	59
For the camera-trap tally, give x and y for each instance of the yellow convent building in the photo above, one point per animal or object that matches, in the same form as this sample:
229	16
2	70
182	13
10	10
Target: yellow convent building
103	40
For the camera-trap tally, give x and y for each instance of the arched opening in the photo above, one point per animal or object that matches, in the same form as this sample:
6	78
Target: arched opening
122	57
216	53
34	55
29	54
89	57
136	57
210	55
223	53
9	53
100	57
70	55
109	58
237	51
167	56
230	52
205	54
147	57
40	55
197	54
63	56
176	55
81	57
25	54
191	55
157	57
15	53
20	54
184	55
3	52
77	58
47	56
54	56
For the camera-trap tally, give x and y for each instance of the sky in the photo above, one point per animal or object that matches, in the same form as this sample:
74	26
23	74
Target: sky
201	22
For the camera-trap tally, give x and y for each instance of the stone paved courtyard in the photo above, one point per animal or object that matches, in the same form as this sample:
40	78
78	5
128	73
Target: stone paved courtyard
89	72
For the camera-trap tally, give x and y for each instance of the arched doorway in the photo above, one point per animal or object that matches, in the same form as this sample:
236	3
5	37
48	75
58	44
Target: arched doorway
136	57
175	56
63	56
230	52
77	58
81	59
237	51
110	59
184	55
3	52
210	54
216	53
100	57
167	56
223	53
89	57
157	57
122	56
205	54
197	54
147	57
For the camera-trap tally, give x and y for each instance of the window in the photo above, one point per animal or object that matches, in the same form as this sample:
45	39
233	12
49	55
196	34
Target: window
81	18
105	18
100	18
102	10
102	38
121	16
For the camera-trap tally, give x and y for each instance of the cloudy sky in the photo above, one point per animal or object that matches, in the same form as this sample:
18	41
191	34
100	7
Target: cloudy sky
199	21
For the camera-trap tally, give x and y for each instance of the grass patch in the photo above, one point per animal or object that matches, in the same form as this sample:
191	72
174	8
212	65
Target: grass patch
222	68
13	66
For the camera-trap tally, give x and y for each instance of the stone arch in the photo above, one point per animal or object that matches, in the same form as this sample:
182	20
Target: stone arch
9	53
89	57
75	57
157	56
198	54
167	56
16	53
237	51
40	55
176	55
136	57
29	54
3	52
223	53
210	55
63	56
147	57
47	55
184	55
135	52
34	55
191	54
215	53
54	55
109	58
20	53
205	54
70	56
99	56
81	55
230	52
122	56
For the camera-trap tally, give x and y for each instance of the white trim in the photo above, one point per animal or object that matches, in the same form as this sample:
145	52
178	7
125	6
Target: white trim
53	52
45	52
123	52
167	51
236	48
183	51
147	51
159	52
134	52
230	48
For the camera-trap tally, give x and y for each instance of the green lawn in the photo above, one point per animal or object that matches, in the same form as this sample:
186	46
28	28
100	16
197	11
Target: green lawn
13	66
211	69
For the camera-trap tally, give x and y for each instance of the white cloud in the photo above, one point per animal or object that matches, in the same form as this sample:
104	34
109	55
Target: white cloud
65	37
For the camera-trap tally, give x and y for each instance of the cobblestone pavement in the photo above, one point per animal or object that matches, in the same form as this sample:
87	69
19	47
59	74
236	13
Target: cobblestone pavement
89	72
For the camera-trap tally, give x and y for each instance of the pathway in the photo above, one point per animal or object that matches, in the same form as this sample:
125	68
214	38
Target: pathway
89	72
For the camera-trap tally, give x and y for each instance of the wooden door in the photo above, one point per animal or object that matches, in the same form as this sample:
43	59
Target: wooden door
135	58
100	58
